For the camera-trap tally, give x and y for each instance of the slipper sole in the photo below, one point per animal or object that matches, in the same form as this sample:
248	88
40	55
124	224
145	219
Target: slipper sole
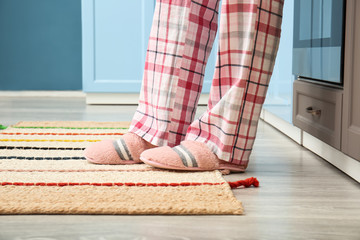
160	165
121	163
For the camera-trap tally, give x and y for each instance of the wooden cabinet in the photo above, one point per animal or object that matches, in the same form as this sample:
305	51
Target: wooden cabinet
329	114
350	143
317	110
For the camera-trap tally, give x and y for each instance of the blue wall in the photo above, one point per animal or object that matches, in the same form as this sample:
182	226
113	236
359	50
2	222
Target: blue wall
40	45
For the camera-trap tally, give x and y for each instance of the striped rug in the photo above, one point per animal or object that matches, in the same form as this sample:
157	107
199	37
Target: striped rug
43	171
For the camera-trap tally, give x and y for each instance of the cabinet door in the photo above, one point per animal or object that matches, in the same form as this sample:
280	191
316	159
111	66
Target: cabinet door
115	38
351	108
114	44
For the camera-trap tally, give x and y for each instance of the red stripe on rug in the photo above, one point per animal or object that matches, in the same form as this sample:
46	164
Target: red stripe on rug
128	184
246	183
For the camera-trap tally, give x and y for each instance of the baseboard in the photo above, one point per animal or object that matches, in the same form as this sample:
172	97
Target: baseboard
91	98
42	94
340	160
112	98
283	126
348	165
125	98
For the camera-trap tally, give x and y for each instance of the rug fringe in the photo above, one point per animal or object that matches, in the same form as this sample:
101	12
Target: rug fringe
246	183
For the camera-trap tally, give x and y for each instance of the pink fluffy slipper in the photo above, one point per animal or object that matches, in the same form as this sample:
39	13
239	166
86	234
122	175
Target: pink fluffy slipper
189	156
125	150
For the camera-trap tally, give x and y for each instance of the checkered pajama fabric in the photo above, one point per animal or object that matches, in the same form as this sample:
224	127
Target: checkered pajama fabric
180	42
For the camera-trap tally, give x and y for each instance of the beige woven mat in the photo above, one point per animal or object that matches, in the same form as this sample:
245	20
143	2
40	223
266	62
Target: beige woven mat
42	171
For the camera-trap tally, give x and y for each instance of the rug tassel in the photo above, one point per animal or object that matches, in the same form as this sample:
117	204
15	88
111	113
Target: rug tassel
246	183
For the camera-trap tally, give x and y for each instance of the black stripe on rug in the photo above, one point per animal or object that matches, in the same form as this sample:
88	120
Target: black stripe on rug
38	148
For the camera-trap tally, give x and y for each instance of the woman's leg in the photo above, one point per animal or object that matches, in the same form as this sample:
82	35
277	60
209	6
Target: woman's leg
180	42
248	42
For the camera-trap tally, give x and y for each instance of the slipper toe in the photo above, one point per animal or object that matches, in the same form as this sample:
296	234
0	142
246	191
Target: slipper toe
102	152
164	157
125	150
189	155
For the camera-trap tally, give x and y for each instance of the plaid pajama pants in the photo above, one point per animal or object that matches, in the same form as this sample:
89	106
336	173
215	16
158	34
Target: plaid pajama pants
181	39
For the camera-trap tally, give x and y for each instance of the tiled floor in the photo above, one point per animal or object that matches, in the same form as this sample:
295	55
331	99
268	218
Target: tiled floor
300	196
